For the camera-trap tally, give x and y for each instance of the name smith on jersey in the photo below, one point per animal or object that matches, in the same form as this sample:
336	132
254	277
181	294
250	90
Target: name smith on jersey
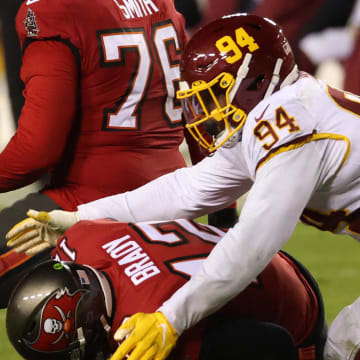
136	8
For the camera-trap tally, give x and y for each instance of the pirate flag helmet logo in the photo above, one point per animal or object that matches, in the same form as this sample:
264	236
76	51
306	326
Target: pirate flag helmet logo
58	321
57	311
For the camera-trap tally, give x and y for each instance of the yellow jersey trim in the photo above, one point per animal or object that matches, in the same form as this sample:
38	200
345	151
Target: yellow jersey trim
345	98
313	137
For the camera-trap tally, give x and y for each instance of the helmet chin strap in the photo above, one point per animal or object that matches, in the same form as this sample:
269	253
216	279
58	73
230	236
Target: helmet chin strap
291	77
275	78
78	346
240	76
78	352
81	339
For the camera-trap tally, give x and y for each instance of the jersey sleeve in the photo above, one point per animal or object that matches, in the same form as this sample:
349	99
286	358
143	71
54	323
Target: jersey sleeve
43	20
212	184
49	72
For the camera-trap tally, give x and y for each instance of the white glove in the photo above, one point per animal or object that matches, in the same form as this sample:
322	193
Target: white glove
40	230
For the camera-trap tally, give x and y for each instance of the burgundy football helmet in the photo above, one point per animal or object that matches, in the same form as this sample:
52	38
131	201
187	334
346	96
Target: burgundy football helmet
59	311
227	68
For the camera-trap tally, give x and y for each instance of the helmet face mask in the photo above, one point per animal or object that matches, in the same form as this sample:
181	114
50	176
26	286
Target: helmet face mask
207	106
227	68
56	312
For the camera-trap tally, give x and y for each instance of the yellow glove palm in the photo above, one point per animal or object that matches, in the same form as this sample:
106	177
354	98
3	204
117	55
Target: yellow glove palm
40	230
151	337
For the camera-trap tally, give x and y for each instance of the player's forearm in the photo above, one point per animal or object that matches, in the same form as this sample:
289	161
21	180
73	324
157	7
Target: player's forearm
17	166
161	199
49	72
186	193
10	180
212	184
27	157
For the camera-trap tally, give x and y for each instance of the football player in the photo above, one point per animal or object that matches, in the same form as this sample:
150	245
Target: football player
100	113
110	270
291	139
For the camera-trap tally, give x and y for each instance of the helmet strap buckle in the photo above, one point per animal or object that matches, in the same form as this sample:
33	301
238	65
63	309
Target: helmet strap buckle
78	352
75	354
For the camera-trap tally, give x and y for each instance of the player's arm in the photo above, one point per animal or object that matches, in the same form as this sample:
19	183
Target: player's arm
50	74
190	192
186	193
281	191
268	218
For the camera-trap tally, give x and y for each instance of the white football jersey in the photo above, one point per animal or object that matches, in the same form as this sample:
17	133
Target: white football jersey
300	158
308	111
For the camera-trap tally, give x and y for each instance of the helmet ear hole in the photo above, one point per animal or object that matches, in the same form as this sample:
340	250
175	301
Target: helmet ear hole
254	86
31	328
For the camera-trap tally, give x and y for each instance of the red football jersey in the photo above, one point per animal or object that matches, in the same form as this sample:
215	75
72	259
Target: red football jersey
100	109
147	262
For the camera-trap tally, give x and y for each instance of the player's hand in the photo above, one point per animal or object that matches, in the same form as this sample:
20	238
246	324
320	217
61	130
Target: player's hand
40	230
151	337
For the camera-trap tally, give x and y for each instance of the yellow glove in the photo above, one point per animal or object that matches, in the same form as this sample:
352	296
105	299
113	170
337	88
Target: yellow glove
151	337
40	230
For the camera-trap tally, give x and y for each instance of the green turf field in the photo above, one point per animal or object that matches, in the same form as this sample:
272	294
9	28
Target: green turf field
333	260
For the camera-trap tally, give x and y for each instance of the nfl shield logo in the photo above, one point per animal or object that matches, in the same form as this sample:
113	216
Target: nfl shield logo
30	24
